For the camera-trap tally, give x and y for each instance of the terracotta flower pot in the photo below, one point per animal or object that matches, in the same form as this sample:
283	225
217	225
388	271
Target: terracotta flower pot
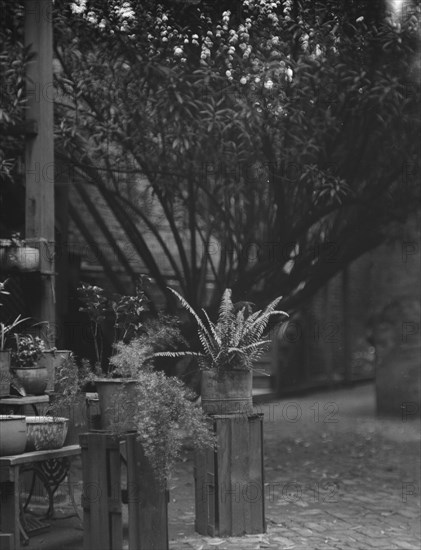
12	434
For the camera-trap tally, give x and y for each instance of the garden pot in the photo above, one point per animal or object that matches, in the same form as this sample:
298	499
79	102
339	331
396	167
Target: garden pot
229	392
21	258
13	434
52	360
117	402
45	432
34	380
5	375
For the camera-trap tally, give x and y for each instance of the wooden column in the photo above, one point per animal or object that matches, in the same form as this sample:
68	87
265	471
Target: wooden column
229	482
39	151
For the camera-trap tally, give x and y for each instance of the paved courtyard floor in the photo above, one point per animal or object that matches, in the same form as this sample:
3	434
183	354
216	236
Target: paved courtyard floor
336	477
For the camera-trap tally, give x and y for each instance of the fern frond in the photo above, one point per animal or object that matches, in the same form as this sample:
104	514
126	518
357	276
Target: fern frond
260	324
188	307
239	327
177	354
250	347
226	308
212	327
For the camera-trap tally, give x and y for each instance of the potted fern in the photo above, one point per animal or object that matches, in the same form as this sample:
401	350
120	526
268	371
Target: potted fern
229	348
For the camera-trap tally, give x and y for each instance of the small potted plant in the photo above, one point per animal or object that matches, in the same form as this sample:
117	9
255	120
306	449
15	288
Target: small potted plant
15	254
229	348
157	334
31	376
126	315
6	330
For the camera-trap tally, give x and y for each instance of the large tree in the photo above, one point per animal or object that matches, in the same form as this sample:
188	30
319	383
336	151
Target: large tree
278	139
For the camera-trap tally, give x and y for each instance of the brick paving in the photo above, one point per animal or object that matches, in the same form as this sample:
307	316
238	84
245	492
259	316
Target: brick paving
336	477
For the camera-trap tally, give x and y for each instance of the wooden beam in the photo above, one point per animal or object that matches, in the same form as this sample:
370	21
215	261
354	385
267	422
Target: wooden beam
39	150
108	268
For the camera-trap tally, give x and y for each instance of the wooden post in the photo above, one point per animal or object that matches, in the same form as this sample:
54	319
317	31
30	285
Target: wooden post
102	458
147	501
229	483
102	506
39	150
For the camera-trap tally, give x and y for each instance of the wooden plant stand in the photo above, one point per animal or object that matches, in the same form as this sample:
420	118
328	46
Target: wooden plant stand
229	482
12	519
103	456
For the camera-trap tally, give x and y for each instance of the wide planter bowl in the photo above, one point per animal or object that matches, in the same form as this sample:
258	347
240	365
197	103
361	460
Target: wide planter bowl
117	402
20	258
12	434
5	376
46	432
33	379
229	392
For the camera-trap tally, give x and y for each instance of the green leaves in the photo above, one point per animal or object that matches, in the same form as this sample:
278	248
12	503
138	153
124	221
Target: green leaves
234	342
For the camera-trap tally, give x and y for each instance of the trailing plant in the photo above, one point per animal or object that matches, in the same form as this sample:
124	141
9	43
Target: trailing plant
163	412
158	334
70	380
236	340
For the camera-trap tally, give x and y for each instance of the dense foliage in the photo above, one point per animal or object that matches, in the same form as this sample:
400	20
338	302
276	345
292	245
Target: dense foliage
260	144
235	341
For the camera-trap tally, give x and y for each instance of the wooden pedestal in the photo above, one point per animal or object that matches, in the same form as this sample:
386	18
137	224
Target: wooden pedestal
103	457
229	482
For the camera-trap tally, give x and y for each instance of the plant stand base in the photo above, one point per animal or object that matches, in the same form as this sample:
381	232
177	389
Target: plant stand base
229	482
103	457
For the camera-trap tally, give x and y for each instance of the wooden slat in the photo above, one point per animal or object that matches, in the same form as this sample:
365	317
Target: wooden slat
201	493
148	520
114	498
256	494
241	451
9	511
133	492
85	502
7	541
39	456
234	474
223	477
97	537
